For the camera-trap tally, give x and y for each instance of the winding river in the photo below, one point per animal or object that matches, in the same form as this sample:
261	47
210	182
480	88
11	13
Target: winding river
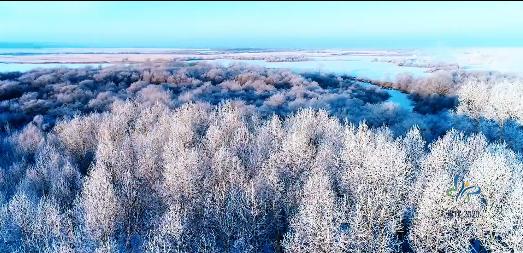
361	67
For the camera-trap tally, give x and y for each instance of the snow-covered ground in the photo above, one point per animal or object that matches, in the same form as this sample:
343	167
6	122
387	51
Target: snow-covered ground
359	66
370	63
506	60
22	67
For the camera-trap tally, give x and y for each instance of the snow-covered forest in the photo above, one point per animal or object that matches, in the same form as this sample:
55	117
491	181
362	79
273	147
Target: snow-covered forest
177	157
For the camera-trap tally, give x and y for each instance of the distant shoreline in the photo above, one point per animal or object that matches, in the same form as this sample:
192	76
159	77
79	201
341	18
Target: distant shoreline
68	56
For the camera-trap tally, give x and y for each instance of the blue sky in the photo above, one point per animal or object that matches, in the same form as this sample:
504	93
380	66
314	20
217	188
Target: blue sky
264	24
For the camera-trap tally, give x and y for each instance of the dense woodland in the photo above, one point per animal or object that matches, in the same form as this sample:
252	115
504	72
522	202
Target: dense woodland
171	157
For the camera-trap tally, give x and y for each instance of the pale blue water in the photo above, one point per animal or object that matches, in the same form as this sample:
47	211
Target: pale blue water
396	97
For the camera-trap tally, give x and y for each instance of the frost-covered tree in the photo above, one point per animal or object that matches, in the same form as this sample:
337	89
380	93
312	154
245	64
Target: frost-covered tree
376	184
496	100
225	178
167	237
79	136
447	221
316	226
499	174
53	175
100	205
33	226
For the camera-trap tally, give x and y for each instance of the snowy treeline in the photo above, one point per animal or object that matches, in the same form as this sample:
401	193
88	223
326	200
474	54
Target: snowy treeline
202	178
440	90
45	95
498	100
445	82
54	93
